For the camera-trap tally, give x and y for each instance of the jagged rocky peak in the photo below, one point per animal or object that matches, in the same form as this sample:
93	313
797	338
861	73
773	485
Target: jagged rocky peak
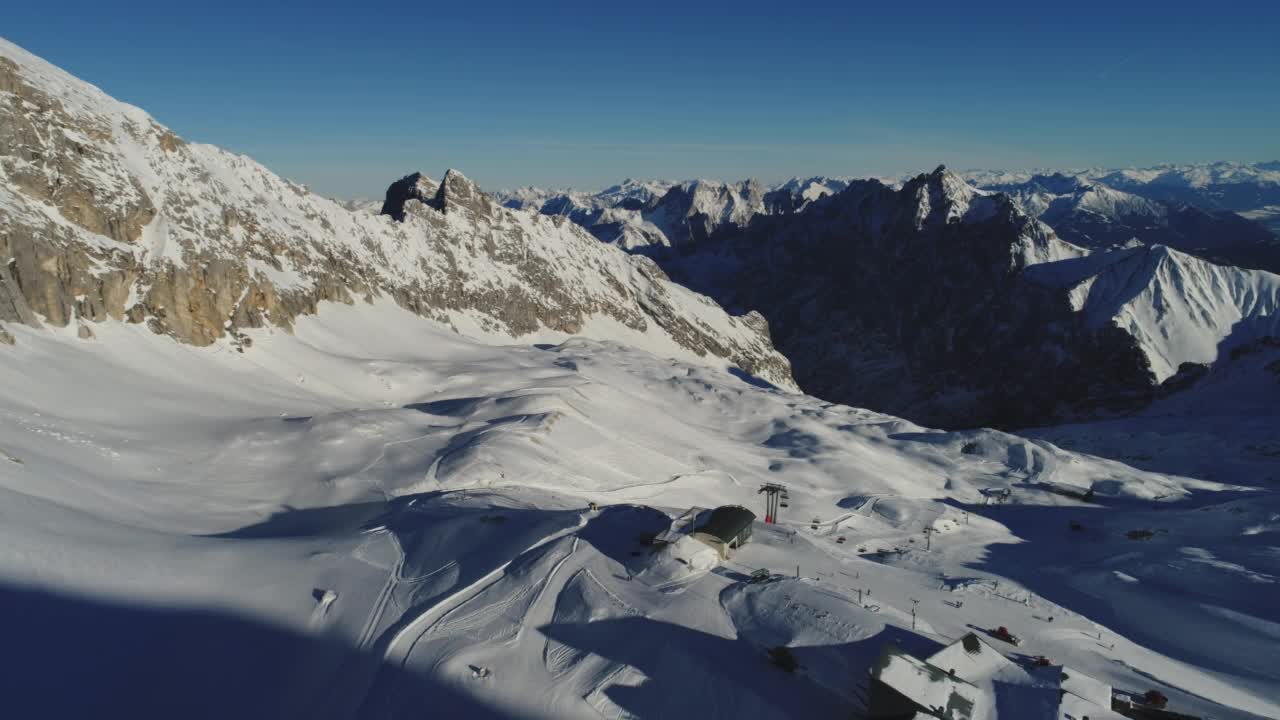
943	197
457	191
414	186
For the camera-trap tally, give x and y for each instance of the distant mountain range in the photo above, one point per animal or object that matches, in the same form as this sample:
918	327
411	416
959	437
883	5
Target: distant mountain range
1225	212
1093	213
1033	300
638	214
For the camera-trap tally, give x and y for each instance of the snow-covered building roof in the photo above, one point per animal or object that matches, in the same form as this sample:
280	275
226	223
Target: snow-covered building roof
974	660
923	685
997	685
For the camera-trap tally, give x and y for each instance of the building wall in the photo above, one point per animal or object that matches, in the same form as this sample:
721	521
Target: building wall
715	542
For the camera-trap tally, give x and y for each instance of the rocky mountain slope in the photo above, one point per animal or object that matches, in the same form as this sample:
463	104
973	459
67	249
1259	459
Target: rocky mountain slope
107	215
949	305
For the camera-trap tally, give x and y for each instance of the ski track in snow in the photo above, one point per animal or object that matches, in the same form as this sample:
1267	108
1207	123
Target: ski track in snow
405	640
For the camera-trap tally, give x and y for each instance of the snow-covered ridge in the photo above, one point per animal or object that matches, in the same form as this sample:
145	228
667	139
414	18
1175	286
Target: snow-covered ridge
1178	308
636	214
1089	212
1122	199
108	215
1169	174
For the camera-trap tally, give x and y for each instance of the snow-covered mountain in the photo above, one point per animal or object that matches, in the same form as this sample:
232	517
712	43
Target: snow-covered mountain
948	304
106	215
795	266
612	215
639	214
1224	212
1249	189
1179	309
1092	214
1223	185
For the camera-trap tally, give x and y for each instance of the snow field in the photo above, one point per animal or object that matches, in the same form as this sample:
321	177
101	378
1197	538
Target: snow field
420	501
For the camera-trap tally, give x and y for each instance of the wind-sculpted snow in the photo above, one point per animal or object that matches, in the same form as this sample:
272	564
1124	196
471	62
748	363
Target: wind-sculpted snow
107	215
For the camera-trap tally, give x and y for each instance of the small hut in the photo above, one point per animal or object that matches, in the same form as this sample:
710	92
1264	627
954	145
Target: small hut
727	528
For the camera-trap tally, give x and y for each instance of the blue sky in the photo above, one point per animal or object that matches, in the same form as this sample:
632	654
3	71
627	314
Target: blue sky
348	96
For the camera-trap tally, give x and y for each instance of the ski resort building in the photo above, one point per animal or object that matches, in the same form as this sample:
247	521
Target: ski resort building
903	686
726	529
970	680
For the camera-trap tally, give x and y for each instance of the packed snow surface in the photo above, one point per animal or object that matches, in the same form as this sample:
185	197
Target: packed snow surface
375	517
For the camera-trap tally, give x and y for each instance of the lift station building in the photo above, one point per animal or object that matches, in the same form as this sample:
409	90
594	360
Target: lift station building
726	529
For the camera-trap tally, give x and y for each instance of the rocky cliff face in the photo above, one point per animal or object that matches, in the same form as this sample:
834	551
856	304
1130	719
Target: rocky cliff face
948	305
105	215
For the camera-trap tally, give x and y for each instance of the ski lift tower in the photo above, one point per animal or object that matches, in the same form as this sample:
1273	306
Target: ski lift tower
773	496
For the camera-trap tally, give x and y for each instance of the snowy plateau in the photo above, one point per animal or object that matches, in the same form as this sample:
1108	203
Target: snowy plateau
266	455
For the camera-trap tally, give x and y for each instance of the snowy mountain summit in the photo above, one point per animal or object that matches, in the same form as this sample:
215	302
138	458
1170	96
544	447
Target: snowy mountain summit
109	216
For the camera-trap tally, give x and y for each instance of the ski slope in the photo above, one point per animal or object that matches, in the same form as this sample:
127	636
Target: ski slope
374	517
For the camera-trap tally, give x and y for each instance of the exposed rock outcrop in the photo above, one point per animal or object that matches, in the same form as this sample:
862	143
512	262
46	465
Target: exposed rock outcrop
410	187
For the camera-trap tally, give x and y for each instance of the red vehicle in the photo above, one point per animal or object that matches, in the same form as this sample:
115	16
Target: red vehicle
1002	633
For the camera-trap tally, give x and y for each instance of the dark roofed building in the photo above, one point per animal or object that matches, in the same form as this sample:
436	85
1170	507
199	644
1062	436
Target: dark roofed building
727	528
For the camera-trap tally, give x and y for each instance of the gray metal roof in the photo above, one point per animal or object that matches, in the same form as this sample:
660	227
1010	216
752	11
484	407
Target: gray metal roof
727	522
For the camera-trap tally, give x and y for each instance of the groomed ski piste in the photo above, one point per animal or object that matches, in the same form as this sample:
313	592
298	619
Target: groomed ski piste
374	517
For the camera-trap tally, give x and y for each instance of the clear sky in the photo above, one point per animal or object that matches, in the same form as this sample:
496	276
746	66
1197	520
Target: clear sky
346	97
